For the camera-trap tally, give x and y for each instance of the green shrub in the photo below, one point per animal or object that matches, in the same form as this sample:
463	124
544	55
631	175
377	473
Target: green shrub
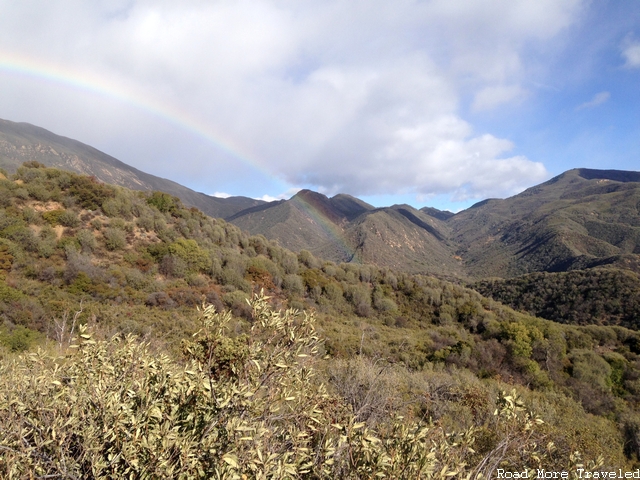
52	217
69	219
19	338
89	192
190	252
292	284
164	202
243	406
39	191
114	238
87	240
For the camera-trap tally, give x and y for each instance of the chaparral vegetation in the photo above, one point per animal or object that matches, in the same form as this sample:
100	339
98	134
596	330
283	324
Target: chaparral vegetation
136	343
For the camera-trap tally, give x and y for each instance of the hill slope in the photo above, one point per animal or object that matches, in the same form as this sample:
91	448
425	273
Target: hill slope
582	218
134	262
345	229
579	219
21	142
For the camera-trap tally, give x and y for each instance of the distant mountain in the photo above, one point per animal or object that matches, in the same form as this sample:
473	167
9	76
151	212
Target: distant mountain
308	220
345	229
21	142
580	219
439	214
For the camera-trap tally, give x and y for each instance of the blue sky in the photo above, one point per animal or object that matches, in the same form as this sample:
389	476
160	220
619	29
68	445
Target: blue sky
434	102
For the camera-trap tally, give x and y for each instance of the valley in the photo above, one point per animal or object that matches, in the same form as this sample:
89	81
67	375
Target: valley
416	312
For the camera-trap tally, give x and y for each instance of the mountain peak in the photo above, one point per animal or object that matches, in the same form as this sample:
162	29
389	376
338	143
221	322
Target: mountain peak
614	175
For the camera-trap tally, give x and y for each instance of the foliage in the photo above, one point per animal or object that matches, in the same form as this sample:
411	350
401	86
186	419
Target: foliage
432	331
601	296
163	202
89	192
242	406
114	238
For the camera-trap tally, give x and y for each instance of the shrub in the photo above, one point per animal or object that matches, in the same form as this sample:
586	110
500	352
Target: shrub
114	238
243	406
164	202
23	236
21	193
87	241
190	252
39	191
173	266
52	217
293	284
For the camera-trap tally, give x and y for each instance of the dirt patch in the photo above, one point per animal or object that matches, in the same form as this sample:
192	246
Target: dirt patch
46	207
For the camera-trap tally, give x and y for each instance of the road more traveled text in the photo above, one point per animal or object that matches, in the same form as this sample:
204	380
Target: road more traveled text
578	473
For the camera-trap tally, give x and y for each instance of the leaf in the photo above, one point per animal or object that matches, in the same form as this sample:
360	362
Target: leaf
231	460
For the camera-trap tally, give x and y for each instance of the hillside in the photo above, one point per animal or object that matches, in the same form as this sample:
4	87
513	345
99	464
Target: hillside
21	142
345	229
307	221
76	251
601	296
580	219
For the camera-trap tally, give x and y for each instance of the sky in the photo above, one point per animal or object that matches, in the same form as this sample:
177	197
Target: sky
438	103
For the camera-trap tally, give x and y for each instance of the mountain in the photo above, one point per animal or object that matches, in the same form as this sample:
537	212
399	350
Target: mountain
84	264
345	229
582	218
306	221
21	142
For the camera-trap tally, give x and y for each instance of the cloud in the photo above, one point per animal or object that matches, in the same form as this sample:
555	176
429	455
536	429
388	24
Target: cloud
438	157
490	97
598	99
283	196
221	195
363	98
631	54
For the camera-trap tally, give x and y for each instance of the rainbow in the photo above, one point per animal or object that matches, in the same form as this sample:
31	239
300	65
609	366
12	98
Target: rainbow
331	230
85	81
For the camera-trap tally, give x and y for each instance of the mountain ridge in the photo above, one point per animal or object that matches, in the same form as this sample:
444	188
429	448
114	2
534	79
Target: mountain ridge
20	142
579	219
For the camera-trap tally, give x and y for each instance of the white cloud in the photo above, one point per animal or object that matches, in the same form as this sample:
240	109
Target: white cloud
598	99
492	96
283	196
221	195
360	97
631	54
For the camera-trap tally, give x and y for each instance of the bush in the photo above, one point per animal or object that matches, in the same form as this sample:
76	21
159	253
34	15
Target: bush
19	338
89	192
69	219
243	406
114	238
39	192
52	217
87	241
292	284
164	202
173	266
